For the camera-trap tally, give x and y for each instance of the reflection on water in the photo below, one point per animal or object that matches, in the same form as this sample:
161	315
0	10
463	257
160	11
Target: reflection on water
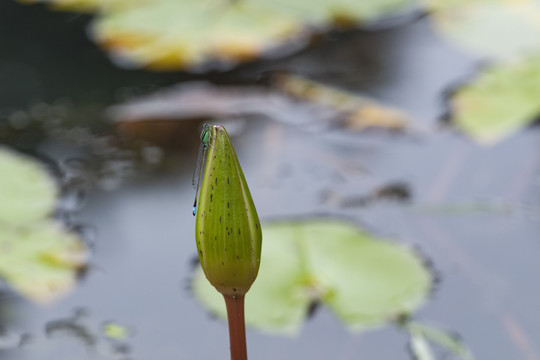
73	326
10	339
398	192
80	329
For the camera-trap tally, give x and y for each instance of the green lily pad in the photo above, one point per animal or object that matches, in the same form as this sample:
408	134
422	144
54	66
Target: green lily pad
363	280
499	102
40	261
27	191
175	34
39	258
500	30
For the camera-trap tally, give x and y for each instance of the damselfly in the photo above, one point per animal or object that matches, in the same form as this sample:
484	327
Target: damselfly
205	138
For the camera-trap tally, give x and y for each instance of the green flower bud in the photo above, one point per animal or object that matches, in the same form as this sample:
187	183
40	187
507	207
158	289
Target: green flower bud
227	227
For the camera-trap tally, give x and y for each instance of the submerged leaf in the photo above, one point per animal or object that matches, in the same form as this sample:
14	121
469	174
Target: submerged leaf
364	281
175	34
27	191
499	102
359	112
291	99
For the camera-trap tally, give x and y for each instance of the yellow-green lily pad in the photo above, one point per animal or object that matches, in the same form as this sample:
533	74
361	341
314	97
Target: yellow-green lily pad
39	258
499	102
40	261
176	34
27	191
500	30
365	281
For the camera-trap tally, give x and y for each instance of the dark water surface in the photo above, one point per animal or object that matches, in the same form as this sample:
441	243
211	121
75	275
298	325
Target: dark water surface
474	212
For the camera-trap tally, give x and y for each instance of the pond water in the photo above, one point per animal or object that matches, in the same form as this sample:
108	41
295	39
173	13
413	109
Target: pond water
474	212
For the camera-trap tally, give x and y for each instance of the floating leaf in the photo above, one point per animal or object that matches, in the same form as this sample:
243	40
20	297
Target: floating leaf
441	338
420	347
507	33
279	289
174	34
38	257
499	102
495	29
116	331
41	260
27	191
364	281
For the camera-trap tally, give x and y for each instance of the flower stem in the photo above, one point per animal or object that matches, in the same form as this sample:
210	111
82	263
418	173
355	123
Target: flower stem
237	327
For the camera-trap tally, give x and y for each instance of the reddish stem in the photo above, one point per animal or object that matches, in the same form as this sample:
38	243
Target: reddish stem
237	327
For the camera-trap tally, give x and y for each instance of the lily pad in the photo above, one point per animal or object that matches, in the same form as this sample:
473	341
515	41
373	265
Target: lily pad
506	33
27	191
499	102
474	24
363	280
39	258
175	34
40	261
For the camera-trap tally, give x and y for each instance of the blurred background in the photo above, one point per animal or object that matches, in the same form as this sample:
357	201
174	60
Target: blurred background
377	115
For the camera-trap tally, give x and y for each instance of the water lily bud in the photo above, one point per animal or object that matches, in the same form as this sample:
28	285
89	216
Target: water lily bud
227	228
